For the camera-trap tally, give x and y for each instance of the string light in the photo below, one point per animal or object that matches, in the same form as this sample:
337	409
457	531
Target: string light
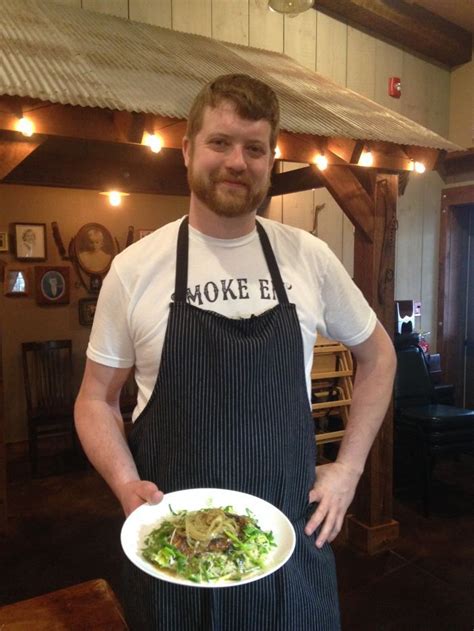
418	167
25	126
321	161
366	159
153	141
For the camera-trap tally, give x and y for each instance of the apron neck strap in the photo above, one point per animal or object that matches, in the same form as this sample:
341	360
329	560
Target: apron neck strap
272	265
182	250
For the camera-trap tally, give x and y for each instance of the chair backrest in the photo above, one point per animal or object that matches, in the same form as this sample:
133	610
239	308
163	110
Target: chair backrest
413	384
47	370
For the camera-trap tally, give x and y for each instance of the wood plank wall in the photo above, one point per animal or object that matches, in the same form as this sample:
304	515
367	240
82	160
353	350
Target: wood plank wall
358	61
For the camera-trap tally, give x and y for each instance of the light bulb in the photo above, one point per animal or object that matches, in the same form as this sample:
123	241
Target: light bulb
25	126
154	141
115	198
277	152
321	161
366	159
420	167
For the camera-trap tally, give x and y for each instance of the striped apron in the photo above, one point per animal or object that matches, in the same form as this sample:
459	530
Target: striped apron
230	410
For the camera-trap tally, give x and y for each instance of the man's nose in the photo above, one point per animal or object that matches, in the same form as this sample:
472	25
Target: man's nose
236	159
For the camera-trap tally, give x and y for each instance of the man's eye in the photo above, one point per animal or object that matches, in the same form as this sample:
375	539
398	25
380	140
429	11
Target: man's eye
256	150
219	143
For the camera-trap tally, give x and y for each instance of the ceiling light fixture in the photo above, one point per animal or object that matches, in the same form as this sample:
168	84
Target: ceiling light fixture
115	197
291	8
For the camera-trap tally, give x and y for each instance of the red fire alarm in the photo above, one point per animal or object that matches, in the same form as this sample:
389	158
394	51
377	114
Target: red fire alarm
395	87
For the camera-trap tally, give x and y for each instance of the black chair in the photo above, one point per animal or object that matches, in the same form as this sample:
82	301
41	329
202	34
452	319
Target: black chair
47	371
424	427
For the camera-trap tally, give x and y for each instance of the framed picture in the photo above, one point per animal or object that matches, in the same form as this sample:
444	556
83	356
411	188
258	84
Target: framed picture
3	241
52	285
94	248
87	310
16	282
143	232
30	241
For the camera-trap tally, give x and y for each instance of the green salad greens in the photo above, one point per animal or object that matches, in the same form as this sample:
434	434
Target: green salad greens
208	545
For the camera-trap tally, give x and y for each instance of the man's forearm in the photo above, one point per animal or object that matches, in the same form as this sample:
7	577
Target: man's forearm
371	396
101	432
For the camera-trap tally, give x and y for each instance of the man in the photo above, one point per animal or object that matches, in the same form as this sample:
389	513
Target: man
229	405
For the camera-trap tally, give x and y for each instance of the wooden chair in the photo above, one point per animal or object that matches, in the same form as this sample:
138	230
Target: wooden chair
332	384
424	428
47	371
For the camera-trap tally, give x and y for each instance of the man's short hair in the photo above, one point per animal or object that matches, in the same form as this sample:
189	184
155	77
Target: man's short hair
253	100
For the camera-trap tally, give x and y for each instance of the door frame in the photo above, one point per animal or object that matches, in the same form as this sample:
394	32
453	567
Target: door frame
453	265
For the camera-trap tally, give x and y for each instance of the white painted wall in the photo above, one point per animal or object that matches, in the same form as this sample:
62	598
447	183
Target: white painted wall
353	59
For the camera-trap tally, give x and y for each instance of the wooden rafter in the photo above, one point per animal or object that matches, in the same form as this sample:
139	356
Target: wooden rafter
13	153
352	197
406	24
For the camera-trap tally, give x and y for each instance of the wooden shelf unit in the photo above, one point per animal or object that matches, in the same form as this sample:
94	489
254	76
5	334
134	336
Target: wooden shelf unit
332	383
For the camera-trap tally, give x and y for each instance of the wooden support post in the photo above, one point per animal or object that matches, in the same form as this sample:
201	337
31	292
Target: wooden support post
371	527
3	457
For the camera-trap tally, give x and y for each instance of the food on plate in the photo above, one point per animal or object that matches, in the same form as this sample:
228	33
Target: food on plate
208	545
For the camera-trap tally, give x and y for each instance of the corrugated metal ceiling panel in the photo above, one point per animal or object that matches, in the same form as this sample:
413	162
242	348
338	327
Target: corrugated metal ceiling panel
71	56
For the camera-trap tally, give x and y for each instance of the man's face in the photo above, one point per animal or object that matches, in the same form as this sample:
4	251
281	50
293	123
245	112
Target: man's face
229	161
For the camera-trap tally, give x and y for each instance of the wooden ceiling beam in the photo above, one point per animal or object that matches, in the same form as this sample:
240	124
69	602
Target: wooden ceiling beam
294	181
102	166
406	24
14	153
457	163
352	197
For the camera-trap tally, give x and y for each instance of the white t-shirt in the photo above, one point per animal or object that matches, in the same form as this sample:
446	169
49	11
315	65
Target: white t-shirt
230	277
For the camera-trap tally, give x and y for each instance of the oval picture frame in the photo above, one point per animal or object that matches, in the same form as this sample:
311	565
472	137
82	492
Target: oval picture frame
52	285
94	249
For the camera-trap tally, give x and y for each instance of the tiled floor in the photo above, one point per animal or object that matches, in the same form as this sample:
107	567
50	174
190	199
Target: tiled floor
64	529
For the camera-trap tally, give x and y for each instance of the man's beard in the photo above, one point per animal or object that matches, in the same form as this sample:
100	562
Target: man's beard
227	203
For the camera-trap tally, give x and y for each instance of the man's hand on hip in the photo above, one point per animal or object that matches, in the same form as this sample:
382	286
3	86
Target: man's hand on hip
334	490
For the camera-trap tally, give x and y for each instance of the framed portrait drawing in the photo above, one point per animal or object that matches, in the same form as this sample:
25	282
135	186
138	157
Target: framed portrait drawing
16	282
30	241
87	310
3	241
52	285
94	249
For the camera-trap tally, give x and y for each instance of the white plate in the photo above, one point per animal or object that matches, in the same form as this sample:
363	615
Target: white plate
145	518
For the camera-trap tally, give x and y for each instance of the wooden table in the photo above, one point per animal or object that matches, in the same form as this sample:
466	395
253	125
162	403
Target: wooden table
91	605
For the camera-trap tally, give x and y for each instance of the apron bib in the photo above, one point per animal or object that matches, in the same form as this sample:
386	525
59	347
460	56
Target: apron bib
230	410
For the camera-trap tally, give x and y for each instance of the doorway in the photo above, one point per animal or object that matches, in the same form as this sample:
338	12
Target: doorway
456	292
469	335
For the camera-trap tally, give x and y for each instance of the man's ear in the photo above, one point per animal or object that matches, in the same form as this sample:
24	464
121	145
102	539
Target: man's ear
186	148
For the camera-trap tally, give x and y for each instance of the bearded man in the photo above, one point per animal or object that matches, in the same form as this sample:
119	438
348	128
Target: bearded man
218	313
